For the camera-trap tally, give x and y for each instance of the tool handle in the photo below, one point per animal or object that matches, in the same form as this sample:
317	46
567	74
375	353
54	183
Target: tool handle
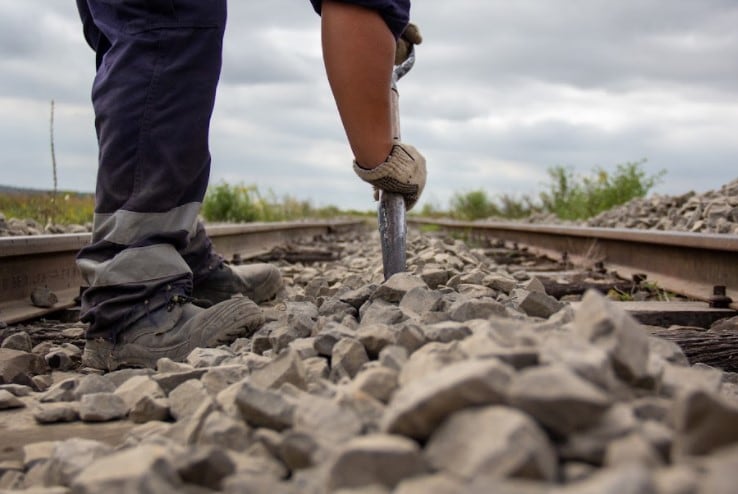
391	210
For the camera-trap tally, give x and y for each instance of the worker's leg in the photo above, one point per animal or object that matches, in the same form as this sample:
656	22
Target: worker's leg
153	95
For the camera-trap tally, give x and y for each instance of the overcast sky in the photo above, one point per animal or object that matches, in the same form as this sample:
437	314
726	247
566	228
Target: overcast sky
502	90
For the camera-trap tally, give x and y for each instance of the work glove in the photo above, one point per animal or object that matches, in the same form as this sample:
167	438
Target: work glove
411	36
403	173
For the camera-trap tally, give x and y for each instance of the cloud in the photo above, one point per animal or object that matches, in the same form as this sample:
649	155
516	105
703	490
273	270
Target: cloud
500	92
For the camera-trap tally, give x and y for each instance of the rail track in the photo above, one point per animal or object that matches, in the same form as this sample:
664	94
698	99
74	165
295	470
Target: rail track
47	262
699	266
688	264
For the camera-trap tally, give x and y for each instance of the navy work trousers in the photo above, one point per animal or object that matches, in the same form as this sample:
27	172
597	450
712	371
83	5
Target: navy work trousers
158	65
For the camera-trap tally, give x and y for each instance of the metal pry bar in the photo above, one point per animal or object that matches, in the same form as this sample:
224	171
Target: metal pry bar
391	209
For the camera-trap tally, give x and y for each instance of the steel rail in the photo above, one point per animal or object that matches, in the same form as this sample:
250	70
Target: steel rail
38	261
690	264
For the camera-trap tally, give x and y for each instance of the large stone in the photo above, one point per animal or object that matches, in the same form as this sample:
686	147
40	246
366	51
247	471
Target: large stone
357	297
102	407
51	413
219	378
720	475
208	357
447	331
587	360
186	398
558	398
20	341
628	479
348	356
429	358
375	337
93	383
431	484
395	288
147	409
204	466
8	401
420	300
420	406
376	459
222	431
478	308
17	367
495	441
704	422
70	457
329	335
676	379
632	449
264	407
63	390
378	382
536	303
133	389
147	469
590	445
168	381
380	312
600	322
332	423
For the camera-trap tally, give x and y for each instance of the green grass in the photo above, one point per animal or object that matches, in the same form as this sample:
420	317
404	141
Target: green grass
566	195
68	208
245	203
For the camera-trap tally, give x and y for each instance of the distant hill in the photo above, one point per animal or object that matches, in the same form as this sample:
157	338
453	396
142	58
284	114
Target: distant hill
8	190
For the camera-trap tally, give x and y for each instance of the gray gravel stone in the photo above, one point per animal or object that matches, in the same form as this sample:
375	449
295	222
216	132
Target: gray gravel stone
378	382
536	303
102	407
347	357
704	422
376	459
20	341
395	288
147	469
375	337
70	457
286	368
147	409
466	309
8	401
169	380
495	441
17	367
558	398
51	413
264	407
133	389
420	406
186	398
62	391
600	322
93	383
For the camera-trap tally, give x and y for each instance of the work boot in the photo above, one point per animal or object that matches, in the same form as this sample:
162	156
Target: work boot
259	282
173	331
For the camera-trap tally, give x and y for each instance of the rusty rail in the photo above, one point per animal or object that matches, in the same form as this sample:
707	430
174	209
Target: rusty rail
690	264
38	261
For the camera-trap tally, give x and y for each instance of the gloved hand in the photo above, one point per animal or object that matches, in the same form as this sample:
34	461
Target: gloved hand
403	173
411	36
